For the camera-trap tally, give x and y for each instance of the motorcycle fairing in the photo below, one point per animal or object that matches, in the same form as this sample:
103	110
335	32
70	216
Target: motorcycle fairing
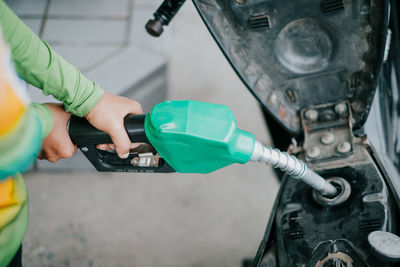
300	232
292	54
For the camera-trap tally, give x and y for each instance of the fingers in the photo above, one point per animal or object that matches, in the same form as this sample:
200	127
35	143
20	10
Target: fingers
57	145
108	116
135	145
109	147
119	137
55	154
121	141
106	147
41	155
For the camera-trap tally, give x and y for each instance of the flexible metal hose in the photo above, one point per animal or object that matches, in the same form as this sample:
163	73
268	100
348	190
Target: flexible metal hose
292	166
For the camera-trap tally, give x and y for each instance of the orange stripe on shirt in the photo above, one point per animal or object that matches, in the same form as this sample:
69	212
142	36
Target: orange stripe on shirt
7	197
11	107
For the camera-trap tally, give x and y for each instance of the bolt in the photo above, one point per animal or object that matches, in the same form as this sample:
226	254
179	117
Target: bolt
311	115
273	99
328	139
313	152
84	149
240	2
341	109
344	148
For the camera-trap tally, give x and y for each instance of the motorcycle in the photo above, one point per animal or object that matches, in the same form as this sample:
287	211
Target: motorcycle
326	76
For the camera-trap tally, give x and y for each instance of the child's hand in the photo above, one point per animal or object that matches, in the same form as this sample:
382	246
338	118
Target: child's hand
57	145
108	116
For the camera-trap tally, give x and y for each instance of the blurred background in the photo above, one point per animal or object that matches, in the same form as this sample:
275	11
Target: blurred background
79	217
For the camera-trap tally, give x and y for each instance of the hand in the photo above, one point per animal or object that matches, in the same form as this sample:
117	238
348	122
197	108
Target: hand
57	145
108	116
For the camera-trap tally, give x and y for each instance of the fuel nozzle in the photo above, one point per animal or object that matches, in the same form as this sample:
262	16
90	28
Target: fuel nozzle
163	16
198	137
292	166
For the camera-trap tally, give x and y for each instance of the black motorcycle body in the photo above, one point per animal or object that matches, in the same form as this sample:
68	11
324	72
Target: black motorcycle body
317	69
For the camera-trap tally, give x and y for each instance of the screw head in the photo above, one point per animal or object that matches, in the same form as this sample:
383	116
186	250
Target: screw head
273	99
154	27
84	149
311	115
344	148
313	152
341	109
328	139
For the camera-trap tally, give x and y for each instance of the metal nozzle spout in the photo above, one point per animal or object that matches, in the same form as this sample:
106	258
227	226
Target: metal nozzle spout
292	166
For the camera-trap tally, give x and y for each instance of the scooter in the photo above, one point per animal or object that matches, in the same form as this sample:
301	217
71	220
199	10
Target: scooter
326	76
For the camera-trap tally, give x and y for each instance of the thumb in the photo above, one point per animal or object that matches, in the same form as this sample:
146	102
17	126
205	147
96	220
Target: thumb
121	141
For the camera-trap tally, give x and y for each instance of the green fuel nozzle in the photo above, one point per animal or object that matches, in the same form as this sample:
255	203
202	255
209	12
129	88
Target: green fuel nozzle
199	137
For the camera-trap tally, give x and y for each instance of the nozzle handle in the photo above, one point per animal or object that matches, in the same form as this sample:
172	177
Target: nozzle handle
142	159
83	133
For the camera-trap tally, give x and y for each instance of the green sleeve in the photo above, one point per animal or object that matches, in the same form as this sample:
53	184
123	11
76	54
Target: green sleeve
40	66
45	118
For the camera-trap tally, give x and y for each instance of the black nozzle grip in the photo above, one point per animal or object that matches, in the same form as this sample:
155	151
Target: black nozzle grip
86	137
83	133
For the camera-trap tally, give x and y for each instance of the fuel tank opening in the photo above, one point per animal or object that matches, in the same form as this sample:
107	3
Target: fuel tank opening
343	193
337	259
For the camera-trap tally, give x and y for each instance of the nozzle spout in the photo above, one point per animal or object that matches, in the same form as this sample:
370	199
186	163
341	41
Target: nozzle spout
292	166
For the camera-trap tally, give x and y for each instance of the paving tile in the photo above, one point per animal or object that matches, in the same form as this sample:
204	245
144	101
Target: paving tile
65	31
90	8
85	57
33	24
126	69
24	7
140	37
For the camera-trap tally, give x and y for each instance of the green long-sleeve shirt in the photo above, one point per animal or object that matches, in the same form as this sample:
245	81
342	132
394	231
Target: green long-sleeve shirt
39	65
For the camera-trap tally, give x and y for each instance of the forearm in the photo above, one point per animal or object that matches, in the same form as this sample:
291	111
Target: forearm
40	66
